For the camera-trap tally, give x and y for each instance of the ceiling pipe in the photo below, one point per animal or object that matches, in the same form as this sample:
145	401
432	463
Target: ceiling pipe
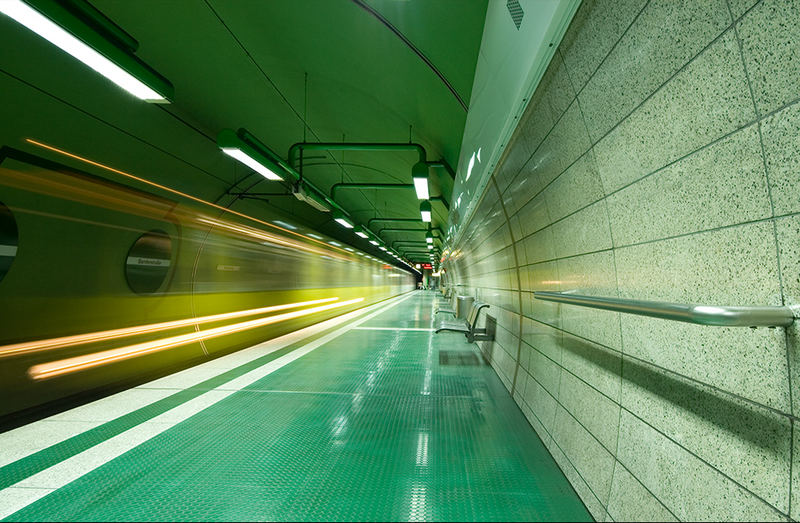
444	165
411	242
295	178
393	229
398	220
397	242
378	186
299	147
442	200
355	146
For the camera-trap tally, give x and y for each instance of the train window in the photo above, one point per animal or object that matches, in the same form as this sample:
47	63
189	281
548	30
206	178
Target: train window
148	262
9	239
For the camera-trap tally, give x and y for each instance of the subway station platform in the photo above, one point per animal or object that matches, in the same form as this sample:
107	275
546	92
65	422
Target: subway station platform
369	416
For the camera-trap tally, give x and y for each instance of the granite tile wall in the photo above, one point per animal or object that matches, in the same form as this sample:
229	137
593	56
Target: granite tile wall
658	159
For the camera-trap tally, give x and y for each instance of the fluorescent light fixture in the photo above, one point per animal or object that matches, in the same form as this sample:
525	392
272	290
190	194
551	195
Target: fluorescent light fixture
419	173
340	218
429	237
104	60
349	249
373	242
335	244
360	232
381	247
244	158
284	224
234	146
430	247
425	211
421	186
316	237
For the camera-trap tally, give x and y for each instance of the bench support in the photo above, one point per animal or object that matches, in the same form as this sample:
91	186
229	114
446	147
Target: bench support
468	326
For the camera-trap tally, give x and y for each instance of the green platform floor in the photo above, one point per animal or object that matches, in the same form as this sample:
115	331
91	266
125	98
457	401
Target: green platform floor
387	425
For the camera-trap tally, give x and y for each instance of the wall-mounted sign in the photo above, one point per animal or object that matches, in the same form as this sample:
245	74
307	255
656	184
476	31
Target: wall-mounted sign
9	239
148	262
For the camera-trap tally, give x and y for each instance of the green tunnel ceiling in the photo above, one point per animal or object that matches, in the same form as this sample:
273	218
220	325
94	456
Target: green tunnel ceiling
312	71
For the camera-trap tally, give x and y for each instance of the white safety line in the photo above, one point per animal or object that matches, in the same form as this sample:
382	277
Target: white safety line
394	329
33	488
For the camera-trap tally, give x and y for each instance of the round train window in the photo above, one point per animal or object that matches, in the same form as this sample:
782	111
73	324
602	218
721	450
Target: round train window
148	262
9	239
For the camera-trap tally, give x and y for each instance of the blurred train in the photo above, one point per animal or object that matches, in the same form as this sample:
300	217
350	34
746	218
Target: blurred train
109	281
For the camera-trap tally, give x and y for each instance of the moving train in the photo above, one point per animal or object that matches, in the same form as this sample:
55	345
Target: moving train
113	280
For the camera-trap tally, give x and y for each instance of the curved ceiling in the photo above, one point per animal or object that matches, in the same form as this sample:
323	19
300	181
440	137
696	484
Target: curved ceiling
322	70
288	71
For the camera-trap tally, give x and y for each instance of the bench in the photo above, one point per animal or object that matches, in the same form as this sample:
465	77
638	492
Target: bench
449	300
446	309
468	327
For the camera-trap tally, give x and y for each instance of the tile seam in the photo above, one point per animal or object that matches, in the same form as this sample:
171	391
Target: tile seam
707	464
662	84
577	92
684	377
553	440
677	236
666	436
786	339
615	456
749	123
611	50
519	286
616	283
755	121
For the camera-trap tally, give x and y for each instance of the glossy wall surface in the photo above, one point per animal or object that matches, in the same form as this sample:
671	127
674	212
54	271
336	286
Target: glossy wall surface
657	160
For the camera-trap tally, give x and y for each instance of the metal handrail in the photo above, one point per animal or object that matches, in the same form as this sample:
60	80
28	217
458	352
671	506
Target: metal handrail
689	313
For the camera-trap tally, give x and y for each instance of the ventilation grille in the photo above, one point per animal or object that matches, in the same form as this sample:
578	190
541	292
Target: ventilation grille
516	12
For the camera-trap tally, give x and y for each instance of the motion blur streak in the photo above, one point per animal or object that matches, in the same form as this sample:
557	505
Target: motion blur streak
121	200
56	368
252	233
168	189
91	337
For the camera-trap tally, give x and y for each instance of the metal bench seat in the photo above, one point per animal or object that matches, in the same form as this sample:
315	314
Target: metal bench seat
468	327
447	309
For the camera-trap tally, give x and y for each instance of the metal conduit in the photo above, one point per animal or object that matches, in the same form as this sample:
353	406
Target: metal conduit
355	146
378	186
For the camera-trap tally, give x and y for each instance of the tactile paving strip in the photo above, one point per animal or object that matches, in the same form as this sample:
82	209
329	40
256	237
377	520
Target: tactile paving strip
368	427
